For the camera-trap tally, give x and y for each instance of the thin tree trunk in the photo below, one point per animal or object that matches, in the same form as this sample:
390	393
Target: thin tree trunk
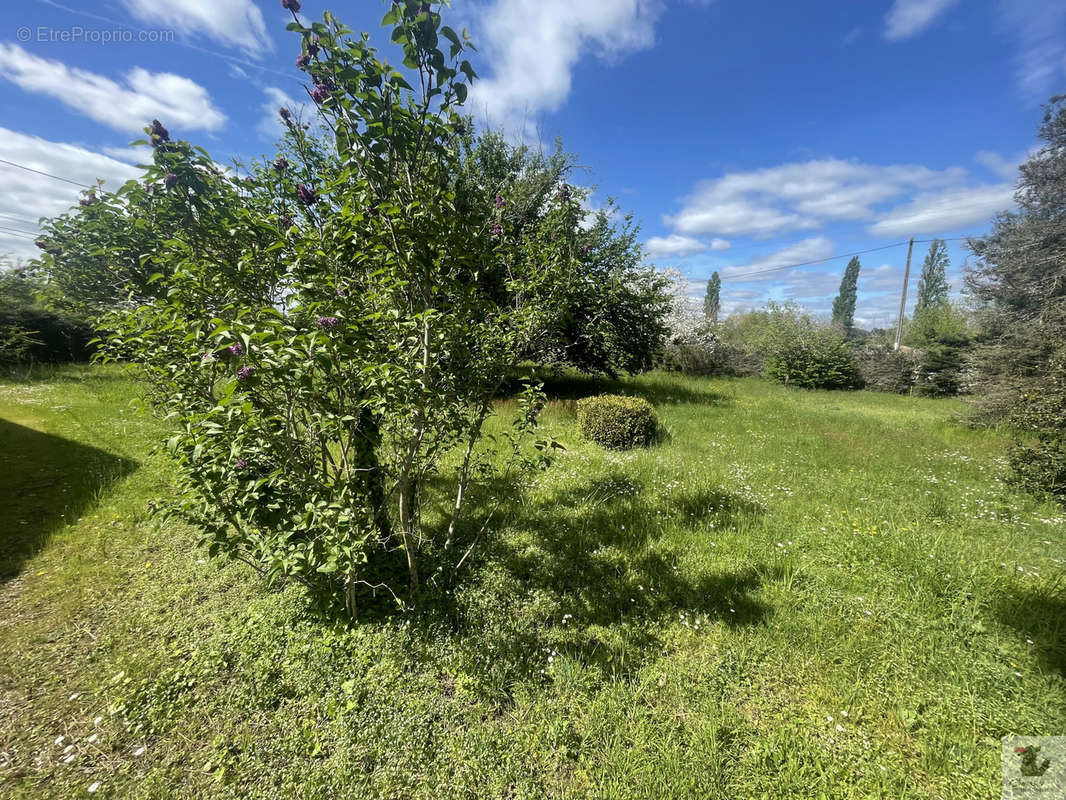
407	522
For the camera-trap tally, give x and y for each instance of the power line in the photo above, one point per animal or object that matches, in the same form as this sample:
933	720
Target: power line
17	218
844	255
46	174
817	261
16	231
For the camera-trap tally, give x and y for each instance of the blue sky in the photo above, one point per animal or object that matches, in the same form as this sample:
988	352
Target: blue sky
744	136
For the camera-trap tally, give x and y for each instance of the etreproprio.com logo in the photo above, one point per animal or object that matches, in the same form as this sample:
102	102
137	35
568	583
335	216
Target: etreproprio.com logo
81	35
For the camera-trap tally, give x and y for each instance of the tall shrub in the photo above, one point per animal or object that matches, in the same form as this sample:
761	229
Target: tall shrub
322	338
797	351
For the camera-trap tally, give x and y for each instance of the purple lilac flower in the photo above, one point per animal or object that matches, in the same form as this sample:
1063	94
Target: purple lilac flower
171	180
158	133
306	195
424	8
460	128
285	113
206	357
327	322
41	243
312	46
342	293
585	248
303	61
244	373
498	201
235	350
497	230
242	463
286	222
320	93
87	201
280	165
291	5
564	192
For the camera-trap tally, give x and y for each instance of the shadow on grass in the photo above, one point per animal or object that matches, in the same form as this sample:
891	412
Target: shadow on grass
43	478
1040	615
665	391
586	575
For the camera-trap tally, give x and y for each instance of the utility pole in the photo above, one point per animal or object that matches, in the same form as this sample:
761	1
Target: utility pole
903	299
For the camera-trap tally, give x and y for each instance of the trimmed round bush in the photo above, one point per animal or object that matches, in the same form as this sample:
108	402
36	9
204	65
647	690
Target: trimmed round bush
617	422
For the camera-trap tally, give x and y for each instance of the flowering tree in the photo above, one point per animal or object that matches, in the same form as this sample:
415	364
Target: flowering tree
326	335
691	344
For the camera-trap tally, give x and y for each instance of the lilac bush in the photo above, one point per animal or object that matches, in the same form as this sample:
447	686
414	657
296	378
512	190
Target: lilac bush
331	335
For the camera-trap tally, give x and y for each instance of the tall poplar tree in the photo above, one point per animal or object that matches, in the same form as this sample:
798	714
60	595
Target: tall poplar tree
712	302
933	284
844	304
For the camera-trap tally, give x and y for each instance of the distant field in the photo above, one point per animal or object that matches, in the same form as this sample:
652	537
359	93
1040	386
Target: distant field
797	594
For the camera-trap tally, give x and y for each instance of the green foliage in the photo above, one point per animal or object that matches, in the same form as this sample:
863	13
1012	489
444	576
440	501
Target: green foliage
883	369
617	422
328	336
797	351
712	301
844	302
1040	467
933	284
693	352
1018	280
940	334
1038	464
613	320
31	332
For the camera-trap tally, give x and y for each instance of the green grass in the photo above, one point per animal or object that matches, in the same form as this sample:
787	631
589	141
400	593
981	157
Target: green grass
795	594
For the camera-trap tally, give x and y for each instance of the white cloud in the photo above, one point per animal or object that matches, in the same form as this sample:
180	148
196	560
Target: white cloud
28	196
719	245
130	155
799	196
886	277
178	102
814	248
945	211
852	36
536	45
234	22
674	245
1038	28
270	125
1006	168
909	18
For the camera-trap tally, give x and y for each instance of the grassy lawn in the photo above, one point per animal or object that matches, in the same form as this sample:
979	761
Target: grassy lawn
797	594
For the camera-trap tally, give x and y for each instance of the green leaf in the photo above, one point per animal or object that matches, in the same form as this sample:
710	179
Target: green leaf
451	36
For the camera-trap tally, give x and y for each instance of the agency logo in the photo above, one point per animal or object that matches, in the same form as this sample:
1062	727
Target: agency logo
1034	767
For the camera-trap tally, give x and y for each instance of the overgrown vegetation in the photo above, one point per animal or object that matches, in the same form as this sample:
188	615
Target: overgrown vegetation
32	332
802	594
327	332
1019	280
